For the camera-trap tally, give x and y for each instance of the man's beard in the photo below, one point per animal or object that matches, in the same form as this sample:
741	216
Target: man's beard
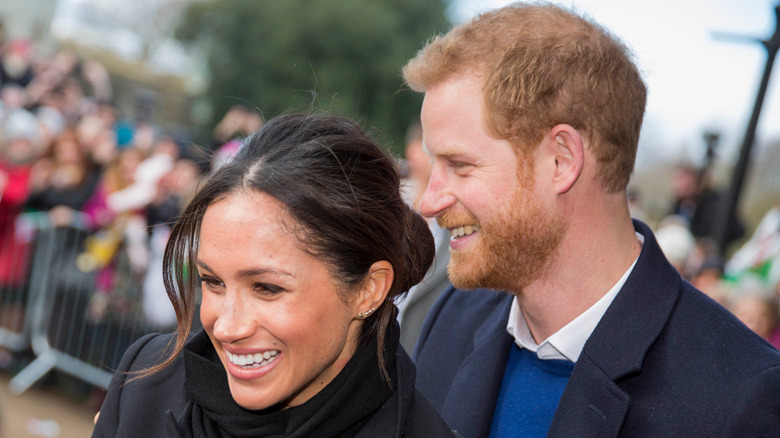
513	249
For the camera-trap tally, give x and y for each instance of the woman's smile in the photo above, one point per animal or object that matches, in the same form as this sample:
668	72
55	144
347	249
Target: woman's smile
252	366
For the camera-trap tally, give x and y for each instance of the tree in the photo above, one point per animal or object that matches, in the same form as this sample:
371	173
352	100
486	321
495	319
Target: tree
343	56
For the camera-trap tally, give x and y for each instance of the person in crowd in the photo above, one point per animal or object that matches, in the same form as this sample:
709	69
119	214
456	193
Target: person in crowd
64	181
238	122
111	225
145	179
698	201
581	327
301	244
414	306
13	115
418	163
757	308
173	192
18	152
676	241
16	63
99	138
17	155
709	279
118	176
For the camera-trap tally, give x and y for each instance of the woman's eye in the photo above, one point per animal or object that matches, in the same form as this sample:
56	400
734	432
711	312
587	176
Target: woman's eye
269	289
211	283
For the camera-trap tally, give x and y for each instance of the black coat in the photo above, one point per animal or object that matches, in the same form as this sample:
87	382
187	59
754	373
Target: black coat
664	361
140	408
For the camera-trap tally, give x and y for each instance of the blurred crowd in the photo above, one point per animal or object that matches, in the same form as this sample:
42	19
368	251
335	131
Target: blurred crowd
67	154
748	281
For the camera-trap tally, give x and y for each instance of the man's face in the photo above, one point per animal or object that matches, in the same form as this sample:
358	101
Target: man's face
503	235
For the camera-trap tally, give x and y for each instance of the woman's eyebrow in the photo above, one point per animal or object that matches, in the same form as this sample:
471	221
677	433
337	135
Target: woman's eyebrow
259	271
250	272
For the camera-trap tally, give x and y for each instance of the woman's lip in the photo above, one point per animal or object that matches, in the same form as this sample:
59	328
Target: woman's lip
251	373
248	350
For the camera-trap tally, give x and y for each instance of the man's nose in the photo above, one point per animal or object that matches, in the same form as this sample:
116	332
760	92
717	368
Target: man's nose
438	195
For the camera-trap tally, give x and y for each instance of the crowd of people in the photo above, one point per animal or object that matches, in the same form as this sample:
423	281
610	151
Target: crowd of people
68	155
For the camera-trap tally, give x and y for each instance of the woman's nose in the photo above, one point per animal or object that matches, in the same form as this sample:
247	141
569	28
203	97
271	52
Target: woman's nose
234	321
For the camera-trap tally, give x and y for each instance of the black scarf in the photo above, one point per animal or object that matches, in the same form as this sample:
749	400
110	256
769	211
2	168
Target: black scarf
339	410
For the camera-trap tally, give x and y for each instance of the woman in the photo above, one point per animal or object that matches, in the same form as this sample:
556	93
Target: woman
301	244
63	182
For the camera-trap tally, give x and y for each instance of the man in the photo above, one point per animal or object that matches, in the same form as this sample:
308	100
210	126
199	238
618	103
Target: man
532	117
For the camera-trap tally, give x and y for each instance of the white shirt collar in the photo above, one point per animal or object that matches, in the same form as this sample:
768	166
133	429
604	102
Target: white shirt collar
566	343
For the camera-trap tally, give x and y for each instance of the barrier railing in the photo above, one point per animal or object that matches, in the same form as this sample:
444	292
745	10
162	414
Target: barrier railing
72	321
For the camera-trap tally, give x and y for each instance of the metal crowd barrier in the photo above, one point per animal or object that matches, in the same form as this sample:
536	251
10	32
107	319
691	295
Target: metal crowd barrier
68	322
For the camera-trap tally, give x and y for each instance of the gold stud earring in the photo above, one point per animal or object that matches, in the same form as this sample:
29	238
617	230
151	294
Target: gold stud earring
363	315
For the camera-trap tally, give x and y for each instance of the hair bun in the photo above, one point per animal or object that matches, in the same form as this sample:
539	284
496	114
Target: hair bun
419	248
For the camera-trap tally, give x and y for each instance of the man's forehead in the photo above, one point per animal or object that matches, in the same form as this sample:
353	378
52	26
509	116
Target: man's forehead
425	148
450	107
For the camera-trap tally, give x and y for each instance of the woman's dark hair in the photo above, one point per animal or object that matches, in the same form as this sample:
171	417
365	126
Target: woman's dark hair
343	192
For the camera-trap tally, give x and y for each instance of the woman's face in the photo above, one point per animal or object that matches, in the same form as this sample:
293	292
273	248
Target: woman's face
68	151
272	311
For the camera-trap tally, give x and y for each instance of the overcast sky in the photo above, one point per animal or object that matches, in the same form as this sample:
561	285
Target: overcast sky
696	82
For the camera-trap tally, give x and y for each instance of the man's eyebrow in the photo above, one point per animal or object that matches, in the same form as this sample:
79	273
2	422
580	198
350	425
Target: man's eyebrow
446	152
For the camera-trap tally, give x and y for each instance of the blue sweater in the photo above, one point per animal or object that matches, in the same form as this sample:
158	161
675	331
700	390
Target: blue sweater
530	392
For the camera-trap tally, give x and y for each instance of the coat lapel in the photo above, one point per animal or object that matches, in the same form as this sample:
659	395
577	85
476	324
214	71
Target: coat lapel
479	378
593	404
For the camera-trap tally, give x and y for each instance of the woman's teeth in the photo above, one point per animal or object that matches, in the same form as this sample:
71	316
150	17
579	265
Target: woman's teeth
253	360
463	231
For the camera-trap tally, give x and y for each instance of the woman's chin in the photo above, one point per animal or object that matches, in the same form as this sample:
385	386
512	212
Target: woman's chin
253	400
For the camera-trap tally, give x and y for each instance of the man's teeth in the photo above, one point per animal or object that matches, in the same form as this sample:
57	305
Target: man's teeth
463	231
253	360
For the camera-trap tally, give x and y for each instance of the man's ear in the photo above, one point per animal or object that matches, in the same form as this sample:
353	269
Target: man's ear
375	288
568	152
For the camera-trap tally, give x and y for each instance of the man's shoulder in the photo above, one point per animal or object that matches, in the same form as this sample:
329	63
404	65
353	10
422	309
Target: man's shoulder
706	372
716	330
459	313
707	340
462	323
